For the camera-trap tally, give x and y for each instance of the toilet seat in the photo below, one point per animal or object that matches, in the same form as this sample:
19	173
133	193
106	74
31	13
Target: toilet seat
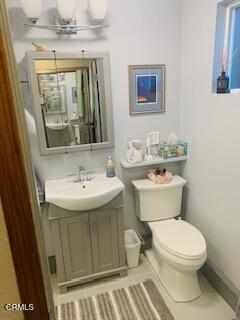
179	238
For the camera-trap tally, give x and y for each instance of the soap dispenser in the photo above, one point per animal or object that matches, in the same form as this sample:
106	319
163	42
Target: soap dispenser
110	172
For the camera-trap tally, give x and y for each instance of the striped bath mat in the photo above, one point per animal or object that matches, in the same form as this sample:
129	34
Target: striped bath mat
138	302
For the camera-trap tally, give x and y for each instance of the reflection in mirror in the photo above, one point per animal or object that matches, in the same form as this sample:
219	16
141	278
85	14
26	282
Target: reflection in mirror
72	100
72	103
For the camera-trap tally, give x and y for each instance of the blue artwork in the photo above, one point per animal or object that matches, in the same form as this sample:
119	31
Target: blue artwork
146	89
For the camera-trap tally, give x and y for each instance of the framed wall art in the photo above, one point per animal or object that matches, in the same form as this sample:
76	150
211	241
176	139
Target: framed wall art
147	88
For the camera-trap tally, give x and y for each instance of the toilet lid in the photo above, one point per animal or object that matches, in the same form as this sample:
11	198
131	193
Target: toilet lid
179	238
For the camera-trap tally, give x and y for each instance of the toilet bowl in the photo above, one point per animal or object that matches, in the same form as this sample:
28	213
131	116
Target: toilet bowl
178	251
178	248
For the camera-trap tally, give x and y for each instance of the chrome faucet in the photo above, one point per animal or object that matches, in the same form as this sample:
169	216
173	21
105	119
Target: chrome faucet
81	173
90	175
84	175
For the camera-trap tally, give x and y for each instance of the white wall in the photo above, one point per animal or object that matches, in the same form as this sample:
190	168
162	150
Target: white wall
210	123
140	32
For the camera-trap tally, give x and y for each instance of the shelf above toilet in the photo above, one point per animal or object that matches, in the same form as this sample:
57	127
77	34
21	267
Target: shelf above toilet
155	161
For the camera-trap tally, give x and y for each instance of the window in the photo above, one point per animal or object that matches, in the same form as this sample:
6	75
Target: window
227	40
234	49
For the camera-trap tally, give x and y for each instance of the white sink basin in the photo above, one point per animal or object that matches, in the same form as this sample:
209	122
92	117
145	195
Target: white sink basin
82	196
57	126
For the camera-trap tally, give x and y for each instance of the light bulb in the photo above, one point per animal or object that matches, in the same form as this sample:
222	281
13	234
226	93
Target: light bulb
98	9
66	9
32	9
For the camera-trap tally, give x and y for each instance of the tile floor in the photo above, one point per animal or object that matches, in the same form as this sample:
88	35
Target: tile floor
209	306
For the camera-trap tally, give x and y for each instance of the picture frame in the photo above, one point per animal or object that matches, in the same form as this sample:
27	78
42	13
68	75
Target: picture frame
147	89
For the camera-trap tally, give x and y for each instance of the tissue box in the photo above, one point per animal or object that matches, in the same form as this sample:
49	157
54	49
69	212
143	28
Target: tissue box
168	151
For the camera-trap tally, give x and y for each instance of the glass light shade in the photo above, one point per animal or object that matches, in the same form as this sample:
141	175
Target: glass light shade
32	8
98	9
66	9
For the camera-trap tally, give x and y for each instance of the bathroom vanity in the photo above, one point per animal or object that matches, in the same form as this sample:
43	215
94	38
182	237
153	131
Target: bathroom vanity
88	244
87	216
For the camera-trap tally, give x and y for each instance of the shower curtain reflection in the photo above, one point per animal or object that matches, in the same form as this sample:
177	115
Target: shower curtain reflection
88	105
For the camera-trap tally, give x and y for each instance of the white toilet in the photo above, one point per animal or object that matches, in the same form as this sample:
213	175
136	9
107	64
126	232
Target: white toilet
178	248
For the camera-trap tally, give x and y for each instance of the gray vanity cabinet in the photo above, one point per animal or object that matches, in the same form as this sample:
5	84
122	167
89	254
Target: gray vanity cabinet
104	236
88	245
76	247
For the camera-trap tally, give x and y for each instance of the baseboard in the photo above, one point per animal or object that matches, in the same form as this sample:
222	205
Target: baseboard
222	284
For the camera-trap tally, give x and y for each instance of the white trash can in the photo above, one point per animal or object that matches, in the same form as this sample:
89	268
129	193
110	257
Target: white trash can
132	247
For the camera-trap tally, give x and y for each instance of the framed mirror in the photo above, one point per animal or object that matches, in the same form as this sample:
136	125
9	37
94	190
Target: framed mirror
72	100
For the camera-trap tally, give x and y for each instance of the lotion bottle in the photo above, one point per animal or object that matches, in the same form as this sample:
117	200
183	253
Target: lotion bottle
110	172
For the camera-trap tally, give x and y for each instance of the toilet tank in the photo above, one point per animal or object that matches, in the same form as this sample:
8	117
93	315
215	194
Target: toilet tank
158	201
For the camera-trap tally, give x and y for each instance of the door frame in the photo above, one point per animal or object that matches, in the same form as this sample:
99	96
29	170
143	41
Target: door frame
17	187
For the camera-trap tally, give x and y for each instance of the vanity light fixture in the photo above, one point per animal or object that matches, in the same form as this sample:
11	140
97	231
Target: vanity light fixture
32	9
66	10
98	9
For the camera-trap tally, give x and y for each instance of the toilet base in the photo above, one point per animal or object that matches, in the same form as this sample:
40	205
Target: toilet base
181	286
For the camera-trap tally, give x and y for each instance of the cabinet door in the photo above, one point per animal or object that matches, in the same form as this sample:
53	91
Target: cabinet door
104	237
76	244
